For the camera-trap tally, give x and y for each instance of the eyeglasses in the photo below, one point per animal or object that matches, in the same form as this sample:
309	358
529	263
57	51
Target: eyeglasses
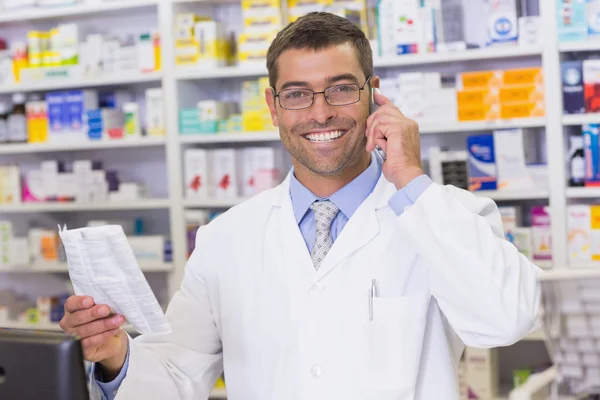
338	95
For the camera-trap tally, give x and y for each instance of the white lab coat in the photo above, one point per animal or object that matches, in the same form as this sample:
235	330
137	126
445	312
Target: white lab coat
251	301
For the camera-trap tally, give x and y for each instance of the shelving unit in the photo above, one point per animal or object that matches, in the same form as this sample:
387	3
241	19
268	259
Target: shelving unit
436	128
580	119
61	83
144	204
24	148
588	45
504	195
73	10
240	137
583	193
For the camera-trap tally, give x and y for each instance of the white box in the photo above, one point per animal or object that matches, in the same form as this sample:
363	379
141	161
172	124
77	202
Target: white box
579	231
222	173
50	170
212	110
10	184
99	187
261	168
522	239
67	186
511	168
196	173
147	248
6	237
82	169
155	112
502	21
529	31
511	217
482	372
400	29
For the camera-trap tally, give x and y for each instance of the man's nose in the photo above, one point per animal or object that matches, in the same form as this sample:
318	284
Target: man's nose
321	111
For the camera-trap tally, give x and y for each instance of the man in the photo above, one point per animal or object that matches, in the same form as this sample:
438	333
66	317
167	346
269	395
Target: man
354	279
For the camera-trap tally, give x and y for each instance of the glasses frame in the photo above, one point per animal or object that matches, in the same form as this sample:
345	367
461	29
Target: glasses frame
360	88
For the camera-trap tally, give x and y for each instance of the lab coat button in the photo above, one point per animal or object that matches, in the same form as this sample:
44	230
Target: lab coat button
316	372
317	287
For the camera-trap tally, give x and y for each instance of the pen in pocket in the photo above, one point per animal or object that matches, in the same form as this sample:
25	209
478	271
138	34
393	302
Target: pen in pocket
372	295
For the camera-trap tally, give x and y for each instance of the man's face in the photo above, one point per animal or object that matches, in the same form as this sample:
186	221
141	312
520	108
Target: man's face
327	140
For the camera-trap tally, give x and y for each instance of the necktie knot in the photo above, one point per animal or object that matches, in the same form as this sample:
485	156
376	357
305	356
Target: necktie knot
325	212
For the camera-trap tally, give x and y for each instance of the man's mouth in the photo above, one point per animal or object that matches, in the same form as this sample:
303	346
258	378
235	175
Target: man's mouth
328	136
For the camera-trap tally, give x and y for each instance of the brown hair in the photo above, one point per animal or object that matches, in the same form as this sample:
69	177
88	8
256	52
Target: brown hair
317	31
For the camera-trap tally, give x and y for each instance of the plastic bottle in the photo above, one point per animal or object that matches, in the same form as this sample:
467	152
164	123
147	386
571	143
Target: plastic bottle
576	162
17	120
4	109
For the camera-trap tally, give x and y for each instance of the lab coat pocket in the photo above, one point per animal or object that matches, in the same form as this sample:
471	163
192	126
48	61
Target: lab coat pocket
394	341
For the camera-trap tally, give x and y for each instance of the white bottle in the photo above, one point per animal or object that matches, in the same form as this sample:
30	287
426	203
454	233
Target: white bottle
132	120
4	110
17	121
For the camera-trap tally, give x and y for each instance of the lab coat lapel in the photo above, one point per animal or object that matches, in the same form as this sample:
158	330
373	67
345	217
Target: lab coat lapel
360	229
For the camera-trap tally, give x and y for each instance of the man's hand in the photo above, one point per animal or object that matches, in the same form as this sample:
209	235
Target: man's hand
398	136
101	339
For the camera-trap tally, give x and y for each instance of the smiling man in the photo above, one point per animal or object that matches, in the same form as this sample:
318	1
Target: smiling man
354	279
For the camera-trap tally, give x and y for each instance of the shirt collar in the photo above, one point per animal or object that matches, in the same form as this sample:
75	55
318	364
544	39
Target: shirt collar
347	199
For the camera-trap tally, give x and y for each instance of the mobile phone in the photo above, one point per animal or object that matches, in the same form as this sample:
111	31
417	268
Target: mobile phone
372	108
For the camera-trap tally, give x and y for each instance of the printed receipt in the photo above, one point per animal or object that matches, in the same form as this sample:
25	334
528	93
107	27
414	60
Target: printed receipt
102	265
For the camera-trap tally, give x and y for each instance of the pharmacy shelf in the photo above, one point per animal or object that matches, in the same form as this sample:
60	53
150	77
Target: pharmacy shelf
586	45
240	137
218	393
505	195
586	271
583	192
53	327
489	53
142	204
45	85
213	203
197	72
429	128
544	264
36	13
581	119
24	148
63	268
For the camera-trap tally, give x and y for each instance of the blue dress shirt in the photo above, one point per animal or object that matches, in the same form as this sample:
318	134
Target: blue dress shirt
347	199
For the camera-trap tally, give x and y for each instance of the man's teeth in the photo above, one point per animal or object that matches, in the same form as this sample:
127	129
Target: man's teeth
324	136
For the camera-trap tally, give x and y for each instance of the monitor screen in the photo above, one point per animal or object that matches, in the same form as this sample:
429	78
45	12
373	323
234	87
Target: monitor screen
41	365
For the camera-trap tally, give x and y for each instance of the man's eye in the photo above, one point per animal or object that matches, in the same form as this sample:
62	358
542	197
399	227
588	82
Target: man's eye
295	94
345	88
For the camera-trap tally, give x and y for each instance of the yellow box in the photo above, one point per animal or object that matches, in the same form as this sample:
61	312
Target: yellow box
256	40
479	79
478	113
522	76
305	3
252	56
187	20
477	97
522	110
521	93
269	22
595	227
183	33
261	8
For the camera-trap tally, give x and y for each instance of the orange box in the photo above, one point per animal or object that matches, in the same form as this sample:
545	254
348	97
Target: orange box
523	76
479	113
522	110
521	93
479	79
477	97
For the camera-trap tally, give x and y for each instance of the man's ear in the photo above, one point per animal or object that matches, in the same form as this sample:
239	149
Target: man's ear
375	81
270	97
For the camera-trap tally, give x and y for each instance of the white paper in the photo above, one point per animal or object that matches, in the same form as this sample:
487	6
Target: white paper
102	265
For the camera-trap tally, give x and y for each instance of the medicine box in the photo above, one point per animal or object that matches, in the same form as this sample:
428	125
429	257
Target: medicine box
78	102
523	76
521	239
400	30
477	97
482	163
479	79
572	87
482	372
541	233
571	20
155	113
591	148
591	85
593	19
479	113
196	173
261	168
579	232
511	166
595	232
223	173
527	93
522	110
511	218
502	23
147	248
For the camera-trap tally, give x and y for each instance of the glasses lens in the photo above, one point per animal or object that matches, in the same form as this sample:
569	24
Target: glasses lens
342	94
294	99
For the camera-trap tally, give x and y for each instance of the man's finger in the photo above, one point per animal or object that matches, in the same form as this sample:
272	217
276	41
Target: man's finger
76	303
381	99
100	326
83	317
91	343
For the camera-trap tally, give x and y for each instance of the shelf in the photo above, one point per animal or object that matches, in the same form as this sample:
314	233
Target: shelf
213	203
53	327
586	45
142	204
535	336
531	194
543	264
241	137
66	11
61	83
62	268
583	193
218	393
580	271
20	148
430	128
198	72
487	53
581	119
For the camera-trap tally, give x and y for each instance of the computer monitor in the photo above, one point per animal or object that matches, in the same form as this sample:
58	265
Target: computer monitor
41	365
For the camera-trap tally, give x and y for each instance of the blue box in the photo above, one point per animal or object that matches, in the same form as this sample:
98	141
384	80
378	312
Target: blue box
78	103
482	162
57	116
591	148
95	127
571	20
572	87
